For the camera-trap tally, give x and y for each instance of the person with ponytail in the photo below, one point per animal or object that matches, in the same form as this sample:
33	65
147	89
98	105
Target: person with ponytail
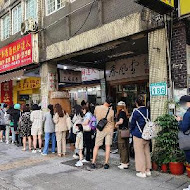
49	129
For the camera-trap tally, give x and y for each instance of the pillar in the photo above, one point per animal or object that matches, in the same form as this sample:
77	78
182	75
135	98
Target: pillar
49	83
157	69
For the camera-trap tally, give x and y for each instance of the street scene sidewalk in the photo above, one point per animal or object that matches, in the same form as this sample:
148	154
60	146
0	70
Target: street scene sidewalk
24	170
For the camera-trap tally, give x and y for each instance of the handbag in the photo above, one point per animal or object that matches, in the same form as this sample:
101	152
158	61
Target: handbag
184	140
103	122
125	133
68	122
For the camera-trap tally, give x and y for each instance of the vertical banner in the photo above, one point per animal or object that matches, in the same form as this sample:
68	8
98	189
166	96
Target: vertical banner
7	92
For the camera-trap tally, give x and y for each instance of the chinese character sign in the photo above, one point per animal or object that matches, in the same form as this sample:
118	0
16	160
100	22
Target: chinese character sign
168	2
16	54
184	7
7	92
69	76
90	74
29	83
127	68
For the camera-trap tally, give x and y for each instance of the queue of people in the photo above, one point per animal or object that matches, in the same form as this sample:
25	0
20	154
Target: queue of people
90	128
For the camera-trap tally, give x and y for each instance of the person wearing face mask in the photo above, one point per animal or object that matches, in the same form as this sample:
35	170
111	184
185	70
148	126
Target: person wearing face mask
184	123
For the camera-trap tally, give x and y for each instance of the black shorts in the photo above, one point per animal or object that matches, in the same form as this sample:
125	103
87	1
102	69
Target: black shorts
2	127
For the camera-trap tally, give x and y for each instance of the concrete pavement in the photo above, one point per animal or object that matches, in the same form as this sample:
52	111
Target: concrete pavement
24	170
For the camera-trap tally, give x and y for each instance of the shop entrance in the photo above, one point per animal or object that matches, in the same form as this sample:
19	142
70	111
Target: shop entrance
127	92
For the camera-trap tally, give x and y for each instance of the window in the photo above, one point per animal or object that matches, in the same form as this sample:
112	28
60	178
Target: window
5	27
31	9
16	19
54	5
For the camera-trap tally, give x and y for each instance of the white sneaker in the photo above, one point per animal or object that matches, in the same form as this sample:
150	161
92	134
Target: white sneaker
43	154
7	142
85	161
1	141
79	164
13	142
115	151
148	174
34	151
123	166
75	156
39	150
186	189
140	174
53	152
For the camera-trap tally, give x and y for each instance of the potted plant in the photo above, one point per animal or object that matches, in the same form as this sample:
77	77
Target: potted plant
154	158
167	143
176	164
187	165
165	165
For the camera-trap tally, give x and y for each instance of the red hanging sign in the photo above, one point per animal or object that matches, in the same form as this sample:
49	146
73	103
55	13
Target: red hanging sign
16	54
7	92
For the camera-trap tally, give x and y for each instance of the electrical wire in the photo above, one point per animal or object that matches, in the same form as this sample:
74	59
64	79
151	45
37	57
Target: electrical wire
85	19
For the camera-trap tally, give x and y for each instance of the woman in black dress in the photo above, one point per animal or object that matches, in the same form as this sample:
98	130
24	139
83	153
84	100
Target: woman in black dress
123	143
25	127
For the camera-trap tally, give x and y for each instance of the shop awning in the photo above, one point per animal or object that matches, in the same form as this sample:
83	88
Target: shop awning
11	76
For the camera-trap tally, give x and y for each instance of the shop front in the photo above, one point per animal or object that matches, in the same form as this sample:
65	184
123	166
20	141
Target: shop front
17	60
87	86
27	91
127	78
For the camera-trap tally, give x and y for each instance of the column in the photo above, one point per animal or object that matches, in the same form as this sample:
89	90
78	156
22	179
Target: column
49	83
157	69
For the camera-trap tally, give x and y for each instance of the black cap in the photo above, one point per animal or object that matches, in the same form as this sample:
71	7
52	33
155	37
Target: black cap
184	99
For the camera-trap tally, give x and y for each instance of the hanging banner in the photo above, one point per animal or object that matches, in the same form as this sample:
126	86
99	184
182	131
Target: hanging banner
19	53
7	92
184	7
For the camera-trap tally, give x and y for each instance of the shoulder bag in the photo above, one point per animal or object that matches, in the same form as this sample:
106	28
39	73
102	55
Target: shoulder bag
184	140
103	122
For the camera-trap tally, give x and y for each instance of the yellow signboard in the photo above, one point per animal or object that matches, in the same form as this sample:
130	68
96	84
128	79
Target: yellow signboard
168	2
184	7
29	83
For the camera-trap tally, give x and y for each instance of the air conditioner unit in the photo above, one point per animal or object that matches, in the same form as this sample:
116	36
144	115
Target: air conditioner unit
29	25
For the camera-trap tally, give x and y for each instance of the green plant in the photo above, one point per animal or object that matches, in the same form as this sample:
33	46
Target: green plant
166	142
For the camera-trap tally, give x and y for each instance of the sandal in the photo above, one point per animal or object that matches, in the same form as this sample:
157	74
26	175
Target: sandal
23	149
59	155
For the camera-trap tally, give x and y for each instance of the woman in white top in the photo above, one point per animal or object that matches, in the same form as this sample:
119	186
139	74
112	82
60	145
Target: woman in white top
37	124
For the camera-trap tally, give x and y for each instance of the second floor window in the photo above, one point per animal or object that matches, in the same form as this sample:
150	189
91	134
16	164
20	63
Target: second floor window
5	27
54	5
31	9
16	19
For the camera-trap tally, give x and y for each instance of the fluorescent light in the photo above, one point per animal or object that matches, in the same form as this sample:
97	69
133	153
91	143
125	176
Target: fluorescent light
65	67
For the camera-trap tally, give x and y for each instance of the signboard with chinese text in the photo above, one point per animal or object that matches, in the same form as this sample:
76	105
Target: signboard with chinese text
59	95
127	68
168	2
90	74
70	76
184	7
7	92
158	89
18	54
160	6
29	83
52	81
